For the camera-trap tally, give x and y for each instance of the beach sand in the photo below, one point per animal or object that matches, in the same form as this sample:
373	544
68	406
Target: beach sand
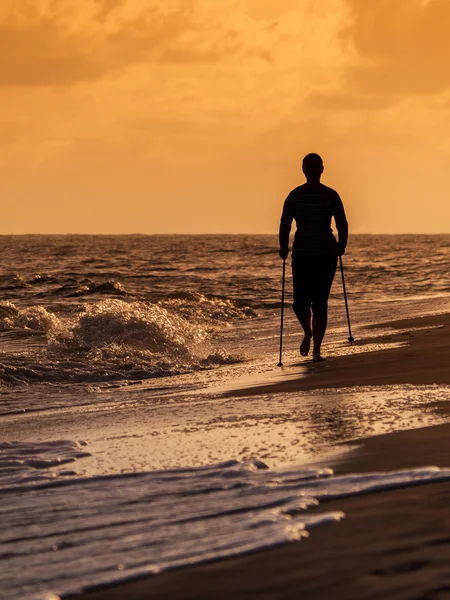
423	359
393	544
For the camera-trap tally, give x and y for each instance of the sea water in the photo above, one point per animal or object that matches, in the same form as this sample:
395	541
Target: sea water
77	534
113	353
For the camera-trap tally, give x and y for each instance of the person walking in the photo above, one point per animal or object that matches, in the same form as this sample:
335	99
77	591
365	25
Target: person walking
315	250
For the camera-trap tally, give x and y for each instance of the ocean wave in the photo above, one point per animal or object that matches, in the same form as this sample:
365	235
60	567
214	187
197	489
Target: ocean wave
140	340
12	282
7	310
138	524
24	464
34	318
88	288
146	326
108	287
40	279
110	340
212	310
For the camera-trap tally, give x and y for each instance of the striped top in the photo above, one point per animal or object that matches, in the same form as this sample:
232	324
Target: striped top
313	206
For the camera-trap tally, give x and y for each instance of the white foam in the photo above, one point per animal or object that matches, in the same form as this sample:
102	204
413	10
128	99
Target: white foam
206	310
113	340
134	323
78	533
26	463
34	318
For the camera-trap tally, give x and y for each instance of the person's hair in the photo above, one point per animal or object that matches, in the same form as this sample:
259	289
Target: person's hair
312	164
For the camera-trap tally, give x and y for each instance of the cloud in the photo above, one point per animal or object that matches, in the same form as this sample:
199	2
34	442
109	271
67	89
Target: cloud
402	47
66	42
40	55
341	100
151	103
178	82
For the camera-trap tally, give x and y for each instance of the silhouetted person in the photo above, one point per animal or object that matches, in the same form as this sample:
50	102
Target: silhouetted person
315	250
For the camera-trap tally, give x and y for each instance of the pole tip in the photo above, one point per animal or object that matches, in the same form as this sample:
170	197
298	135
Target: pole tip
280	364
351	340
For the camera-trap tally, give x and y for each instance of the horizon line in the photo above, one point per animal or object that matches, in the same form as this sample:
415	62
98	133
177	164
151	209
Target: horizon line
275	233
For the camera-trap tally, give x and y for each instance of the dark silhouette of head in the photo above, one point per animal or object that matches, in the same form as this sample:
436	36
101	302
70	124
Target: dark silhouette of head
312	167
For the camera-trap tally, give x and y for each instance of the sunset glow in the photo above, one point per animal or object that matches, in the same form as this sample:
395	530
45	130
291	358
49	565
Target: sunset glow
192	116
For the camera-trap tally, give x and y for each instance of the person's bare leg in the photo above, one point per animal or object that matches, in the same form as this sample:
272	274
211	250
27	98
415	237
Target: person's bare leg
319	328
305	322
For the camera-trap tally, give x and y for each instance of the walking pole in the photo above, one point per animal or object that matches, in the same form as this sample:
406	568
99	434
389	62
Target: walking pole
351	339
280	364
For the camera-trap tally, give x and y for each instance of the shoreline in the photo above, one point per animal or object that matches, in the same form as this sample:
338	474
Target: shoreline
424	359
392	543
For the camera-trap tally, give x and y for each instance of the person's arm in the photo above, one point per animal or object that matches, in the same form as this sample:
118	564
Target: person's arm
341	225
285	225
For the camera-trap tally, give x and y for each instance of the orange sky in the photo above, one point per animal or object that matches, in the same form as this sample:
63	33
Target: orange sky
192	116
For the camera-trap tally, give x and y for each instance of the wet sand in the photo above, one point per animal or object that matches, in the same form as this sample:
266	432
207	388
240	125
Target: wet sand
394	544
425	359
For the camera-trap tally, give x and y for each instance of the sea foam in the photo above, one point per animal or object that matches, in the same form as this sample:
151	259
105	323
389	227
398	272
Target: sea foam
34	318
147	326
113	339
206	310
76	533
28	463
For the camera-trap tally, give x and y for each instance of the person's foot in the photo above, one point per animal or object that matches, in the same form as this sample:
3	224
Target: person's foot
317	357
305	345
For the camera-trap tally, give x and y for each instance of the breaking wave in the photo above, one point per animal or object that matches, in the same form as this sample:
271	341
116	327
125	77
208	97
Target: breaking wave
146	326
116	339
207	309
35	318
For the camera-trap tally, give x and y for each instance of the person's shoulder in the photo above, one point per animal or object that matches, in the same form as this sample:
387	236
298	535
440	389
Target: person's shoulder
293	194
298	191
328	191
330	194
